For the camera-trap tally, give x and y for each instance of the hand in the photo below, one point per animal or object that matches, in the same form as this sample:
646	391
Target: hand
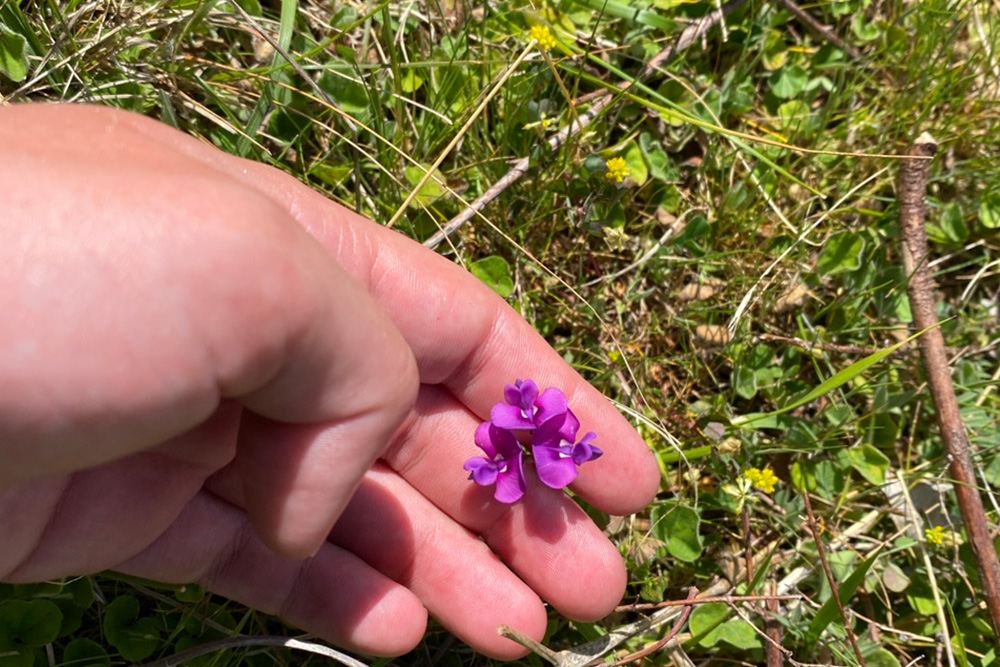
209	372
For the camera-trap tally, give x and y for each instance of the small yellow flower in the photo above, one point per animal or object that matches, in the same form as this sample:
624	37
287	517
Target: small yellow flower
543	36
617	169
765	479
935	535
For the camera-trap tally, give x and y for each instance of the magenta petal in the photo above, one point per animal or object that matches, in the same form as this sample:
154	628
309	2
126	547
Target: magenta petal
510	417
510	483
549	433
551	403
483	471
554	469
584	451
484	441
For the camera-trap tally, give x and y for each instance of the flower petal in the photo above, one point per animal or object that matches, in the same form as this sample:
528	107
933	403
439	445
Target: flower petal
510	417
549	433
510	483
584	451
484	441
554	469
551	403
483	471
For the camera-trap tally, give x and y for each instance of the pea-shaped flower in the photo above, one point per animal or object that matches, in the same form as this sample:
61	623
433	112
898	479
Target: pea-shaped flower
501	465
557	454
552	427
525	409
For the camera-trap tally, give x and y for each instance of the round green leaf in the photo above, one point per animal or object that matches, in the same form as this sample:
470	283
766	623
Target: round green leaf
989	210
135	638
495	272
841	253
683	539
30	622
83	652
788	81
432	189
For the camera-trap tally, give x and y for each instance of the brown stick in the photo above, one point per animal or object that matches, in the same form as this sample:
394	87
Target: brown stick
912	190
690	35
834	589
772	628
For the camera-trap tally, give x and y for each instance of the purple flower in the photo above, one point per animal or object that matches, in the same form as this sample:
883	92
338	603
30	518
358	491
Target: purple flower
556	455
525	409
501	465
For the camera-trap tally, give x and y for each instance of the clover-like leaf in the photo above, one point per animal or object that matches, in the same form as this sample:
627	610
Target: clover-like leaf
29	622
135	638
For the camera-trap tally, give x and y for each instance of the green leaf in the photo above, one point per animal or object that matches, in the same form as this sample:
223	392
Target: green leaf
953	223
735	631
775	51
637	169
841	253
829	612
788	81
707	617
678	526
349	94
30	622
83	652
432	189
989	210
495	272
709	626
410	81
869	462
635	13
745	382
794	114
841	377
881	658
135	638
13	55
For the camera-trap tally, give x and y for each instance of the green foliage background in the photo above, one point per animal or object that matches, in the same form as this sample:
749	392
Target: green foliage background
751	255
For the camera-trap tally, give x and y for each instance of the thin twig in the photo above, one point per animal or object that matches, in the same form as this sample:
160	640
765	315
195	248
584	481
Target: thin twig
660	643
772	628
814	528
912	191
726	599
690	35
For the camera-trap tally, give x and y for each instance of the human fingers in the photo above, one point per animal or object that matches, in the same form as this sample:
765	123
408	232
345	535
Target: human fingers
333	595
150	286
393	528
93	519
546	538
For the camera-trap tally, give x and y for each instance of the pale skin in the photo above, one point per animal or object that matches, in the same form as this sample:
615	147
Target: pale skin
210	373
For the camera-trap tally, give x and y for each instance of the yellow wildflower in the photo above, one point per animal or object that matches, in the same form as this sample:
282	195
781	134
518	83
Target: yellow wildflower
765	479
617	169
935	535
543	36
